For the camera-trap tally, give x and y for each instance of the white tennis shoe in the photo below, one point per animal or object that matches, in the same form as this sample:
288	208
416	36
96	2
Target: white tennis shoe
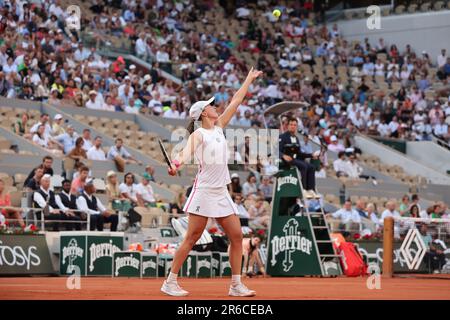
240	290
172	288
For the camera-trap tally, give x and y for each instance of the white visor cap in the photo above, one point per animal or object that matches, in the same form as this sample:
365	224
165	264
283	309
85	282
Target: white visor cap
197	108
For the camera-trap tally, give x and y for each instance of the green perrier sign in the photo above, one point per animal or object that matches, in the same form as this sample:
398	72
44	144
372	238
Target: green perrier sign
292	251
89	252
291	248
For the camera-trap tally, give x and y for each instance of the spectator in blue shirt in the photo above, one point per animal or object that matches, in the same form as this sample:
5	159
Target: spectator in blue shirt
221	96
305	145
129	15
423	83
358	60
322	50
67	139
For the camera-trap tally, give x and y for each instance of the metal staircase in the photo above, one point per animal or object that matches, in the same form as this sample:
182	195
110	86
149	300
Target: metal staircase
329	259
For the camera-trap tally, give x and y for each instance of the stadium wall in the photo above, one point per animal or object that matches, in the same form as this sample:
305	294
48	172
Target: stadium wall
393	157
430	154
423	31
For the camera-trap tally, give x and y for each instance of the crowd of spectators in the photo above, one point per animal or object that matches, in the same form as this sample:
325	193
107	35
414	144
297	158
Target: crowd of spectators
44	59
365	215
75	199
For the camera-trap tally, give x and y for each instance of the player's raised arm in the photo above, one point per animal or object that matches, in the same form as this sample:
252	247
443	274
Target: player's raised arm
230	110
185	155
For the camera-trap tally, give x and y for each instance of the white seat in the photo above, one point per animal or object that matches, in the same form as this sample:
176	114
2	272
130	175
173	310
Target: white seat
56	181
99	184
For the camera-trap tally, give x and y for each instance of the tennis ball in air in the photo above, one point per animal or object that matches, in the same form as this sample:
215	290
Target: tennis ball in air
276	13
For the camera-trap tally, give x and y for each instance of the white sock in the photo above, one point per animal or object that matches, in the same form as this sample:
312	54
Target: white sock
235	279
172	277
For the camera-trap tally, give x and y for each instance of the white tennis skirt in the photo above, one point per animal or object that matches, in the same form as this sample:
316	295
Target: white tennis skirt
211	203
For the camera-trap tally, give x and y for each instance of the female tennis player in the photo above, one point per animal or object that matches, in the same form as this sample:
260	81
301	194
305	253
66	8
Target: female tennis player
209	197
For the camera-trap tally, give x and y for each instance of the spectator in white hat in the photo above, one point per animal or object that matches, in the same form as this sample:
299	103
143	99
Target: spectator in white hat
155	104
335	145
145	193
92	102
57	127
126	84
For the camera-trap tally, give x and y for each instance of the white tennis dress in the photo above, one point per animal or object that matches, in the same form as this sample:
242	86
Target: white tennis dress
209	196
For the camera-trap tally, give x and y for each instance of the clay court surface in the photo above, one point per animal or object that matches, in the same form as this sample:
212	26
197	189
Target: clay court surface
417	287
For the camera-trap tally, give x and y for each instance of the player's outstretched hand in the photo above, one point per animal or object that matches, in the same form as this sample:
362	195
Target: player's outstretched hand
253	74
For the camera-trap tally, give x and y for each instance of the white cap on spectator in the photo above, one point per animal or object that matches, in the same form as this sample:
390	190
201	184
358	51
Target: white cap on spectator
234	175
331	99
77	79
197	108
92	92
349	150
333	138
110	173
53	90
127	78
46	176
58	116
132	67
147	77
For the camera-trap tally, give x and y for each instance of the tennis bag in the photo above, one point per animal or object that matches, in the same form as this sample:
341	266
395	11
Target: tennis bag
351	261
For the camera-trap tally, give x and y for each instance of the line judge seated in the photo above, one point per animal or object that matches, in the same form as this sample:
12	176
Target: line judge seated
67	203
290	153
44	199
88	203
